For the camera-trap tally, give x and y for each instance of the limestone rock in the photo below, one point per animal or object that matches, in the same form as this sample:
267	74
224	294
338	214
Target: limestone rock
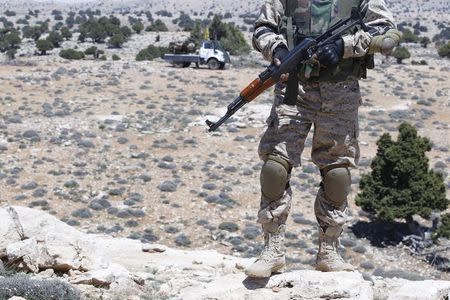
303	284
53	244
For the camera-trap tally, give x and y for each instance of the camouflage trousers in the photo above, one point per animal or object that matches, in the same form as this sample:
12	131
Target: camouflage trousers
333	110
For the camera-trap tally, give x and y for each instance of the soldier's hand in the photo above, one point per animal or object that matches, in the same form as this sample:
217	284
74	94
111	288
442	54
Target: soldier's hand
278	55
331	54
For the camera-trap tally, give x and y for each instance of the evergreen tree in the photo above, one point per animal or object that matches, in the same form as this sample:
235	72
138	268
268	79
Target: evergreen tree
44	45
401	53
55	38
65	32
138	27
401	184
117	40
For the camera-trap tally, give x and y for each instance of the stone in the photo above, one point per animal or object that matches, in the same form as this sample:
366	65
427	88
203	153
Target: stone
153	248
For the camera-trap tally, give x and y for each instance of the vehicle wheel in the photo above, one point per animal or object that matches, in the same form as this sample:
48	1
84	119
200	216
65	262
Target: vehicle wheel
186	65
222	66
213	64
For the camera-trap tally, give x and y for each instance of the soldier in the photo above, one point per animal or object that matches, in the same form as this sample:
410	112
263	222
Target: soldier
328	98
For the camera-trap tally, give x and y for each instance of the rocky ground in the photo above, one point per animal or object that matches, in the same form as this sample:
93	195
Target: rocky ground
110	268
120	148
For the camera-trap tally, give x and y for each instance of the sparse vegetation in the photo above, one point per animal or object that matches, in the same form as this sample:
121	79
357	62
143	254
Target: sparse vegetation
44	45
150	53
158	26
115	57
444	50
401	184
138	27
229	36
401	53
444	229
71	54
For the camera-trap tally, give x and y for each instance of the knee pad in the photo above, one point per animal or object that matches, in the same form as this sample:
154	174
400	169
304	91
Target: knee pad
274	177
336	185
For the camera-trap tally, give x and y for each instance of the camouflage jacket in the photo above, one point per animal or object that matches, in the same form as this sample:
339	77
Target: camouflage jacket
266	36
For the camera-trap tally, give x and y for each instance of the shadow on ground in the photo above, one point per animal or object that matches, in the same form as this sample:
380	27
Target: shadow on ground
381	234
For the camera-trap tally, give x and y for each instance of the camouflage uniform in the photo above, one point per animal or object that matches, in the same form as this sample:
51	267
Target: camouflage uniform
331	105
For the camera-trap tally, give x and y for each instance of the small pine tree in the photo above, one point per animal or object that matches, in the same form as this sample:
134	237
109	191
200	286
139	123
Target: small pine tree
65	32
425	41
116	41
44	45
401	53
138	27
401	184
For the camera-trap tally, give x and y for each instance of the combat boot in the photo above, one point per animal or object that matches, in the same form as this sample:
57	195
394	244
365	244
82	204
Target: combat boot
328	258
272	258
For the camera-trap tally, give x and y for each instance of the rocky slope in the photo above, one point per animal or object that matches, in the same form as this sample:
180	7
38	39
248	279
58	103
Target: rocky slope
104	268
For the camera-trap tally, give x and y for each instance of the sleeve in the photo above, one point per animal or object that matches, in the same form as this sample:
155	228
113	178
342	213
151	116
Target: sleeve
379	20
266	36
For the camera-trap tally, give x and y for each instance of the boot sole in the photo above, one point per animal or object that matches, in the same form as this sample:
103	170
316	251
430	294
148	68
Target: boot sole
276	270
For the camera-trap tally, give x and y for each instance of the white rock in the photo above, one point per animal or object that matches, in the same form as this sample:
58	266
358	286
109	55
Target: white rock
421	290
27	251
60	246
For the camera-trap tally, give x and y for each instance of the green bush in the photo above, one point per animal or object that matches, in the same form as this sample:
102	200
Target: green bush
55	38
115	57
409	36
158	26
11	53
44	45
444	50
103	57
9	39
116	41
94	51
138	27
71	54
229	36
444	229
401	184
37	289
401	53
32	32
65	33
150	53
425	41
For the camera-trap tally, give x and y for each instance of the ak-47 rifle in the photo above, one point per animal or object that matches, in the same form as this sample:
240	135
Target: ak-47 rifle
301	53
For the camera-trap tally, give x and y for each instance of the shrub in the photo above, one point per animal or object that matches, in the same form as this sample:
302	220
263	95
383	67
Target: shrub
158	25
115	57
55	38
37	289
71	54
229	36
138	27
11	53
94	51
444	50
444	229
150	53
425	41
409	37
65	33
33	32
103	57
401	53
10	13
401	184
116	41
44	45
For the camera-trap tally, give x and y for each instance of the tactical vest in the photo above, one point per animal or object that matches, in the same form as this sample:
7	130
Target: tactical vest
312	18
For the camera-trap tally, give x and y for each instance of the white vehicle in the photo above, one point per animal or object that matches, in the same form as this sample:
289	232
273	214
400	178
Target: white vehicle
211	53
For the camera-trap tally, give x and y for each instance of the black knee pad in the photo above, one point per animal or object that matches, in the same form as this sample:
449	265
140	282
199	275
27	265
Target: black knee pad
337	185
274	177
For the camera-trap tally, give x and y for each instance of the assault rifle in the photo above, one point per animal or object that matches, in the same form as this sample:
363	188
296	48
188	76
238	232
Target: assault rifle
301	53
